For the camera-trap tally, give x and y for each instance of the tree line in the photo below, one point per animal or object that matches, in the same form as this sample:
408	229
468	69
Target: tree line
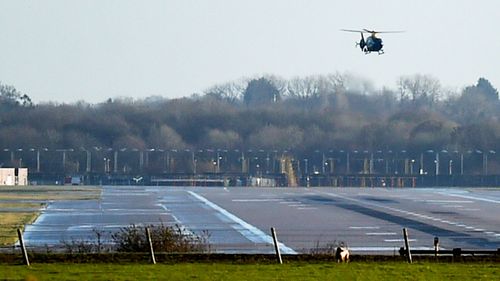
302	114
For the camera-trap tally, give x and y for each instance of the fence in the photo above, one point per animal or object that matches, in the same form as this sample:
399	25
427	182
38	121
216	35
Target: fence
175	239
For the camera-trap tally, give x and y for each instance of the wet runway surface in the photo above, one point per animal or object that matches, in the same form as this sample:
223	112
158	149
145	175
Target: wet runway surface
239	219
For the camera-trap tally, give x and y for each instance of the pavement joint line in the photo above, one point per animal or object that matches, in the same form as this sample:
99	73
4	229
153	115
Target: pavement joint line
249	231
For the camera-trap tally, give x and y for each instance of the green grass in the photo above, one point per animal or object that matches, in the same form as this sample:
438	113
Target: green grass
224	271
10	222
45	193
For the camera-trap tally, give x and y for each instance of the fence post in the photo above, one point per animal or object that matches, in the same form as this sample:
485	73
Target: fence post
23	247
151	251
436	246
276	245
407	245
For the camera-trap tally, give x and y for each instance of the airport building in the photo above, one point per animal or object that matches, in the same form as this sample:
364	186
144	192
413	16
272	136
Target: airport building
13	176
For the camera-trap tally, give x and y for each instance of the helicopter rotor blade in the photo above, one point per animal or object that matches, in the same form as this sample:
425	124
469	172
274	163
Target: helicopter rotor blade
353	30
376	32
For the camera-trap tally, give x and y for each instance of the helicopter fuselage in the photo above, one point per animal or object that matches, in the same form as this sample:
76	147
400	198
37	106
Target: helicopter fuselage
371	44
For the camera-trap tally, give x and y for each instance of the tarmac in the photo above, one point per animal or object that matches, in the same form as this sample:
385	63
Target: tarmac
238	220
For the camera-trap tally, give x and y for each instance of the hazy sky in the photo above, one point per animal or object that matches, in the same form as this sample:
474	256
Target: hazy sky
88	50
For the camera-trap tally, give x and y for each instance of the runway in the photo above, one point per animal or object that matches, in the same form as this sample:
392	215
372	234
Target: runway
368	220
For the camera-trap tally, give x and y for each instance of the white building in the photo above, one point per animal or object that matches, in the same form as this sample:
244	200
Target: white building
13	176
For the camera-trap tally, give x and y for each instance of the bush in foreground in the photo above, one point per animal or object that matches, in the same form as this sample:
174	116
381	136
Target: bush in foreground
170	239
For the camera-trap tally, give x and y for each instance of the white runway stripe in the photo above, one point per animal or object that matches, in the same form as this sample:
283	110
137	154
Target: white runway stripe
247	230
381	233
364	227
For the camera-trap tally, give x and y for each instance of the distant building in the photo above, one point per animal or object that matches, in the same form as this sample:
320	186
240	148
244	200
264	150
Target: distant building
13	176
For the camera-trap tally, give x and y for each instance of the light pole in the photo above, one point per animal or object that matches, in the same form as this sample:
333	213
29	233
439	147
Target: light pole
450	165
436	161
461	164
331	165
421	170
115	161
324	164
267	163
88	161
485	160
306	166
218	161
11	155
37	159
141	160
347	163
193	161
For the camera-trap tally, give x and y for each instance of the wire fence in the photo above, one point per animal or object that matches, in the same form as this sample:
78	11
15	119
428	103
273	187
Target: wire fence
175	239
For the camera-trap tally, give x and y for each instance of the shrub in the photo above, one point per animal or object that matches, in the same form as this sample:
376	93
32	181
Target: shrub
170	239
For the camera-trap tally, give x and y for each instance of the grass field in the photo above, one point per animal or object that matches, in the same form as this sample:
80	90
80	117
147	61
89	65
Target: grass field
21	205
10	222
224	271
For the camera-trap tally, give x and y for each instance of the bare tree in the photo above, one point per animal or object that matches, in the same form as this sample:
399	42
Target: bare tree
223	139
419	90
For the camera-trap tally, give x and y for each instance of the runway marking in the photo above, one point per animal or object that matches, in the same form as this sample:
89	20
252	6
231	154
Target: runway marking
414	214
399	240
176	219
95	227
446	201
247	230
471	197
307	208
256	200
381	233
364	227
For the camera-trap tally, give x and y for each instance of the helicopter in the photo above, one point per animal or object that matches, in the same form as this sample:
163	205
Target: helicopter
372	43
